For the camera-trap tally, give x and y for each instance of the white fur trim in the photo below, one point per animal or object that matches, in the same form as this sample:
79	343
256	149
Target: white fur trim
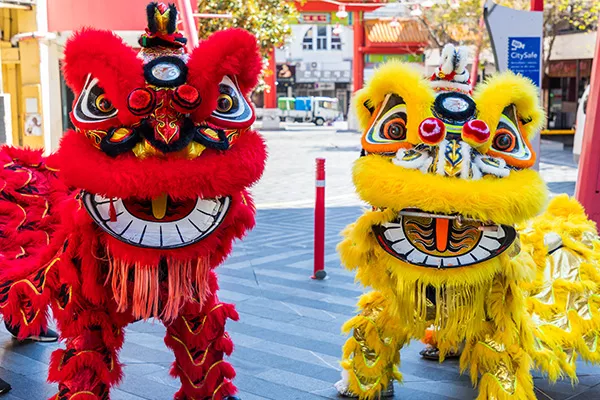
343	386
502	171
441	162
465	151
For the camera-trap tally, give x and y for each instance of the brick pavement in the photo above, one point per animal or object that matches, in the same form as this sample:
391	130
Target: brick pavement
287	341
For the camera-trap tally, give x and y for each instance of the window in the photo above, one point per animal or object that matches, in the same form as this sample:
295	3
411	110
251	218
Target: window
336	40
322	38
307	42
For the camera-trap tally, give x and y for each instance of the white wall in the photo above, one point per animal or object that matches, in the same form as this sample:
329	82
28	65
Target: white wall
333	59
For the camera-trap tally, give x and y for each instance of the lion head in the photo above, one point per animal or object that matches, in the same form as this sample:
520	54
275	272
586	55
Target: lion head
447	171
163	149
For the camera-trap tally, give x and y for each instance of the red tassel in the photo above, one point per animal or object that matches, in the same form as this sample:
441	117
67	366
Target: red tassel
112	212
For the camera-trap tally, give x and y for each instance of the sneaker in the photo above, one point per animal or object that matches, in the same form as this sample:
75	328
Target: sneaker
342	389
47	336
4	387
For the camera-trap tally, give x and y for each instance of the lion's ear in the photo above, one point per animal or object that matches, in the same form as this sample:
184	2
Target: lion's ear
101	70
506	89
510	106
396	92
228	63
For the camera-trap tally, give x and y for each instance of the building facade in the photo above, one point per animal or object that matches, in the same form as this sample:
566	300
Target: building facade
567	75
317	61
25	106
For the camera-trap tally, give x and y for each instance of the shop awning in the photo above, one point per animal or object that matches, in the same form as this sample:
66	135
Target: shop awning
574	46
17	4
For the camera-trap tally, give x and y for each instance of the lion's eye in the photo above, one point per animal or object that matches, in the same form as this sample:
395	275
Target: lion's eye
224	103
92	105
388	130
509	141
504	140
395	129
232	108
103	104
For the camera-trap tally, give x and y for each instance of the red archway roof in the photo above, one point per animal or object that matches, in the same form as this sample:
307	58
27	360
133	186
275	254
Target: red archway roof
334	5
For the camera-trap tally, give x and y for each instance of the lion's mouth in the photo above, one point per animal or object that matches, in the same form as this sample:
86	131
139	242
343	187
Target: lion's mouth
442	241
160	223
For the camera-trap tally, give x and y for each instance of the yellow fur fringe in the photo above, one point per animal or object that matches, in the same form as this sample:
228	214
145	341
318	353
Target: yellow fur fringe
562	331
384	185
371	356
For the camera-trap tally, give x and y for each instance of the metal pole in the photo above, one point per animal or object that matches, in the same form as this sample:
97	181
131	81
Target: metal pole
536	142
475	67
319	250
271	81
587	190
537	5
358	64
189	25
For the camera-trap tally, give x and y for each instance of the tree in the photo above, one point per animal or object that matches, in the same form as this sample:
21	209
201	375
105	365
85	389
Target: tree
458	24
268	20
580	15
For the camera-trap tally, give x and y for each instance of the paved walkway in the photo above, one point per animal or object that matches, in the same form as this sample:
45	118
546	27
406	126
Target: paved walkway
288	341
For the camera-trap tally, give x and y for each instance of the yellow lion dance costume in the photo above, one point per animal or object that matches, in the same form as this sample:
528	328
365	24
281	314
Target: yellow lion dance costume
453	239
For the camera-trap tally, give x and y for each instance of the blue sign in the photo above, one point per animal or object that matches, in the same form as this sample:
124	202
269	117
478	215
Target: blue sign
524	57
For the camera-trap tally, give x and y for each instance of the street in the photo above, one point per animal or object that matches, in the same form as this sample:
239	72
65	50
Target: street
288	340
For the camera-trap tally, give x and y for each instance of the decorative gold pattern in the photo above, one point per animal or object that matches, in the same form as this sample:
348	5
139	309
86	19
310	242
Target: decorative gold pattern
411	155
120	134
454	158
144	150
453	238
492	344
506	378
95	137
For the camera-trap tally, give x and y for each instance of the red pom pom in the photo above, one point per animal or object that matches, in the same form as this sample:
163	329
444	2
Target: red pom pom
187	97
432	131
476	132
140	101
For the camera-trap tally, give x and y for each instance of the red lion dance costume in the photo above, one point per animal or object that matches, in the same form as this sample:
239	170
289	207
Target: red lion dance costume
129	219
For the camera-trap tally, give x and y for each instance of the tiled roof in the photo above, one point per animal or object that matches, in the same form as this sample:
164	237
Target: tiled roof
408	31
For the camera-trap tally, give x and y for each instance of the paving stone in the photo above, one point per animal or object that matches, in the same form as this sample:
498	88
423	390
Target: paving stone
288	341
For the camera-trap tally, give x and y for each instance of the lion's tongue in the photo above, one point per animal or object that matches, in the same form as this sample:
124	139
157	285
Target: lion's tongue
159	206
441	233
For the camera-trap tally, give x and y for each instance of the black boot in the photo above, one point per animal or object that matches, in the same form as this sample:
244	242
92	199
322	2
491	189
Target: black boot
46	336
4	387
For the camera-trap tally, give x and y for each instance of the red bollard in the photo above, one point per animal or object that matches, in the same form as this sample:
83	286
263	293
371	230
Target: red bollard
319	262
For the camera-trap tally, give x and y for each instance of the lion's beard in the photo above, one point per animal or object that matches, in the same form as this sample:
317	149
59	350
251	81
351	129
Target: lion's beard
150	293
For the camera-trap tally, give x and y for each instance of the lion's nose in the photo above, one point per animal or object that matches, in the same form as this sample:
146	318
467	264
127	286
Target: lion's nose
476	133
141	101
432	131
186	98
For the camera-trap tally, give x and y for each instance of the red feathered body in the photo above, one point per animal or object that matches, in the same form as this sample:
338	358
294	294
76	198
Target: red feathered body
140	204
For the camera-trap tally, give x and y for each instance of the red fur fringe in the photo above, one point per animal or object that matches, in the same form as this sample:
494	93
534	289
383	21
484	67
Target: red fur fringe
213	174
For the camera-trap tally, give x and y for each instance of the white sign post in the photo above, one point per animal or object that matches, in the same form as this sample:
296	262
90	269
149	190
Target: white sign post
517	39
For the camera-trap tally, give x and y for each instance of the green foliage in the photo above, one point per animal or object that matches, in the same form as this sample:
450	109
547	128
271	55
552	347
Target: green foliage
268	20
459	25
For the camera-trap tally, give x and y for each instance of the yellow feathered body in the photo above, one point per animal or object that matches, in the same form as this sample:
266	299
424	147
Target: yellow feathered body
460	237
